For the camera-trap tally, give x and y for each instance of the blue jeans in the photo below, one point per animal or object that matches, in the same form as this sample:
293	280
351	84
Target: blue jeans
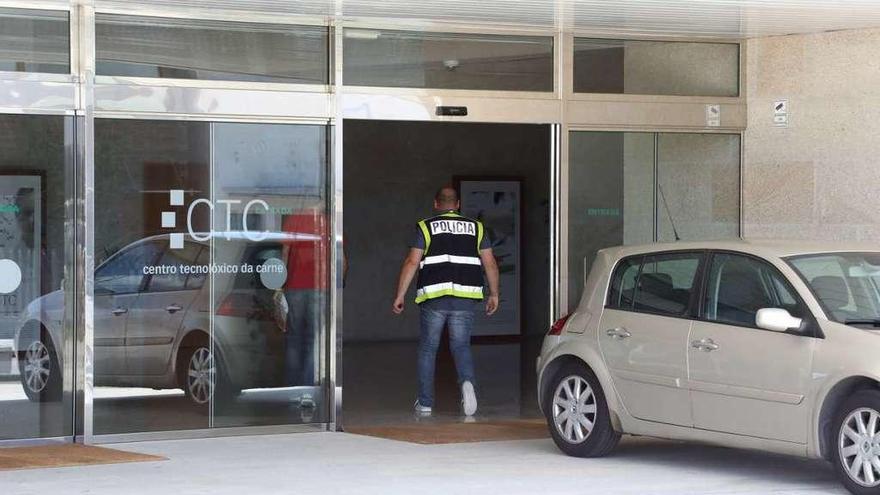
460	325
305	309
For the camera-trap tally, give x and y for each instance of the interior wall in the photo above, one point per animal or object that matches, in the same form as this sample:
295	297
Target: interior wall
816	178
392	170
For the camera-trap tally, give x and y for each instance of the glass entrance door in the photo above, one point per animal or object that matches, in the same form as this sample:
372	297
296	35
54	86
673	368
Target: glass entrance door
36	276
210	296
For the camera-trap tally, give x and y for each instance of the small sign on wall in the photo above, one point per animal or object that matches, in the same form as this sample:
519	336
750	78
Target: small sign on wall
713	115
780	113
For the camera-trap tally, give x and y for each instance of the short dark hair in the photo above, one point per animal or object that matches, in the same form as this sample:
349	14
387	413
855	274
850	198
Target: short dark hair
446	196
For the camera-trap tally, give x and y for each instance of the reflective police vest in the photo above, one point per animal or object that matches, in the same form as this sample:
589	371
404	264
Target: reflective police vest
451	263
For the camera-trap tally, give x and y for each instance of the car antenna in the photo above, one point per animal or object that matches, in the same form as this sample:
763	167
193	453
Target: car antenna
668	213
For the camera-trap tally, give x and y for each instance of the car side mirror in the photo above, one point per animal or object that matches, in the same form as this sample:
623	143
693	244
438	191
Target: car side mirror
777	320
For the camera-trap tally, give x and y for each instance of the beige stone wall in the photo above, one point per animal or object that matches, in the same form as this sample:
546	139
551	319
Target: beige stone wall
819	177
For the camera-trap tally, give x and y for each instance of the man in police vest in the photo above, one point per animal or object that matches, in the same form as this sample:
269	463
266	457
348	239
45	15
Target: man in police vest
449	252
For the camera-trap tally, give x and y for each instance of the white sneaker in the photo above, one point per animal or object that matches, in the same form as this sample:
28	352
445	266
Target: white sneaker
422	409
468	399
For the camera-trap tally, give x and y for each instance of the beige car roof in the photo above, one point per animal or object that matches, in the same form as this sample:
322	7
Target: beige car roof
764	248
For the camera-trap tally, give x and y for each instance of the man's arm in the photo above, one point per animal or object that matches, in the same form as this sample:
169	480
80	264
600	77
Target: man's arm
491	268
407	272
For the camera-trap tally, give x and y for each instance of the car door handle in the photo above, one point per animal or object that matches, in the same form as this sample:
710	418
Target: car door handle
618	333
173	308
707	345
120	311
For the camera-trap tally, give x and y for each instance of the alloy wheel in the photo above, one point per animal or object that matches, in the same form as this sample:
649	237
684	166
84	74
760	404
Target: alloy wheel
574	409
859	446
37	366
200	376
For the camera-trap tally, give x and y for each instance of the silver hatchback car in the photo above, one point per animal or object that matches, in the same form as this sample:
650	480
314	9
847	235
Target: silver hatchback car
158	330
763	345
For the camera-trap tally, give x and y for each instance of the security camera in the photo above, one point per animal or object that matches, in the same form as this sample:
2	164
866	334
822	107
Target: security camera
451	64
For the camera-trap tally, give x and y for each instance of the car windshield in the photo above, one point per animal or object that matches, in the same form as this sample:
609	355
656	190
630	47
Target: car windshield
846	284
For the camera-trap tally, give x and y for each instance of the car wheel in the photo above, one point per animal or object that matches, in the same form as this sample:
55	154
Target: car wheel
577	413
203	377
39	370
200	374
856	447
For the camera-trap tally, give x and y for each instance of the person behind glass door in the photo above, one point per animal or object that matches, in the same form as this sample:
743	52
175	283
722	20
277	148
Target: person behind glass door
449	252
305	290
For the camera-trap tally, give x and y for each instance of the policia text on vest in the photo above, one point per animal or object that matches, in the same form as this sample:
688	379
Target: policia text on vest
451	263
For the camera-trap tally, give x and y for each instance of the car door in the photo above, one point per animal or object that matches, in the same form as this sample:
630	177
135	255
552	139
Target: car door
743	379
644	330
118	284
155	319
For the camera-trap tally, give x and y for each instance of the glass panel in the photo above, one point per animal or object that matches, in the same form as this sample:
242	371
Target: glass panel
34	41
274	179
739	286
226	324
656	67
610	197
138	345
36	321
699	186
407	59
666	283
211	50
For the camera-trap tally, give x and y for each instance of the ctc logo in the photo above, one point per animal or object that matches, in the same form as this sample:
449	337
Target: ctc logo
169	219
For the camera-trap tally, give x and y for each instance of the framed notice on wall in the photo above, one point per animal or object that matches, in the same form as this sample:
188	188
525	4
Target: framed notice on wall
497	203
20	243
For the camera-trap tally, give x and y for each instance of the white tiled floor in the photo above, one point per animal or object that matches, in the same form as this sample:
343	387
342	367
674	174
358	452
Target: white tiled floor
338	463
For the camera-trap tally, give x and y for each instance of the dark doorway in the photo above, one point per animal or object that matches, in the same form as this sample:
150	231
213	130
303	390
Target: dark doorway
392	170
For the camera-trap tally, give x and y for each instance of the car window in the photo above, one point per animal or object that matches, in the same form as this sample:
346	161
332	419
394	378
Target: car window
623	284
169	275
738	286
197	279
124	273
846	284
666	282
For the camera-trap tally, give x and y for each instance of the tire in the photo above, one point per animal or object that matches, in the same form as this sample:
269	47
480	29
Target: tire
847	447
203	377
39	370
575	438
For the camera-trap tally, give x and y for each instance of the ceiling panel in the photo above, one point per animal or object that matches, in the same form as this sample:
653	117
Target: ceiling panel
688	18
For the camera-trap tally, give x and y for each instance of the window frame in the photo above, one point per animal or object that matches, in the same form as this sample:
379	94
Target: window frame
810	328
691	311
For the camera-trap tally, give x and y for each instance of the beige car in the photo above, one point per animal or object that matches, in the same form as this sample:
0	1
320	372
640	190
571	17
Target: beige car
764	345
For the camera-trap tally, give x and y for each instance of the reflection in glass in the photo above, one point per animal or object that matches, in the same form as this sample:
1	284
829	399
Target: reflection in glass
196	325
410	59
656	67
34	41
699	176
36	323
211	50
610	197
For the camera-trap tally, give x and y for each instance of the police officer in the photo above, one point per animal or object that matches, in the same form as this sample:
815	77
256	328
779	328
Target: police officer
449	251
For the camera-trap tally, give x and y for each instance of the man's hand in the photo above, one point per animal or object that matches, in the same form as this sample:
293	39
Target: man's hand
491	305
397	307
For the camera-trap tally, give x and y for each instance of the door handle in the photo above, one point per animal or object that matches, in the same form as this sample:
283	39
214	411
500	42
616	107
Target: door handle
173	308
618	333
707	345
120	311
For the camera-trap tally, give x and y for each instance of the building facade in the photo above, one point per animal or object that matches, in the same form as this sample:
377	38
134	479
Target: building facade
169	174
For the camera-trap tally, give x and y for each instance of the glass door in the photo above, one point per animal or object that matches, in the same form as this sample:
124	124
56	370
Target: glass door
642	187
36	276
210	297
